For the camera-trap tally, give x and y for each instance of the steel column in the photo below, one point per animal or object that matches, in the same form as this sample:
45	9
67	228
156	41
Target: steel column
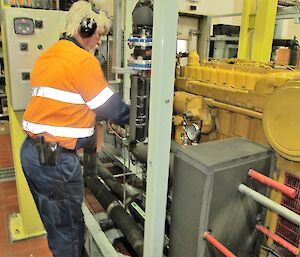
117	34
264	30
127	32
247	29
257	30
161	101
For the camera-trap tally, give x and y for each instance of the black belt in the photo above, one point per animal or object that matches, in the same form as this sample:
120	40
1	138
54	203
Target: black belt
36	140
48	151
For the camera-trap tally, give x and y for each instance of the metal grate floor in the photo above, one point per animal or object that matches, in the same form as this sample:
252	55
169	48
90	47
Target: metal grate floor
7	174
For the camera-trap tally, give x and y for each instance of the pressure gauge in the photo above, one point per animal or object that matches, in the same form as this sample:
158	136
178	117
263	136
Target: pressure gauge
193	132
23	26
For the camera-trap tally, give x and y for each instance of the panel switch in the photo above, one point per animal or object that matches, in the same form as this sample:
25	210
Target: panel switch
25	76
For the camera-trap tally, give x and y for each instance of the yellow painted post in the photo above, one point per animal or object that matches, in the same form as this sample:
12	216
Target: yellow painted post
264	30
257	29
27	223
247	29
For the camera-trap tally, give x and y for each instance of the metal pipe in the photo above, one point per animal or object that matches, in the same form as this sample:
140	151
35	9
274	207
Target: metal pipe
288	2
207	236
212	103
122	220
127	32
117	34
294	250
108	64
290	192
281	210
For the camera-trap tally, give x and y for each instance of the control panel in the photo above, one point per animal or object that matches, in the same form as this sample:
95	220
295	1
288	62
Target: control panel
28	32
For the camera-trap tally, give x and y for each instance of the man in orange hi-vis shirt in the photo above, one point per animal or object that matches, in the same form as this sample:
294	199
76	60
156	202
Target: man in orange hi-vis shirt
68	92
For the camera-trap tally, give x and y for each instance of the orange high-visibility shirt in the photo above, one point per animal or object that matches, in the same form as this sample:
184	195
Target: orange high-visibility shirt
67	84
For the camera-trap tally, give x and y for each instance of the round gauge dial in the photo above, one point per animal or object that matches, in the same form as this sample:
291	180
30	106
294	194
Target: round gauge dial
193	132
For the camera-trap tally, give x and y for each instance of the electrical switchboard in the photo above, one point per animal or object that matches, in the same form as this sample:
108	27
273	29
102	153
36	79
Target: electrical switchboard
28	32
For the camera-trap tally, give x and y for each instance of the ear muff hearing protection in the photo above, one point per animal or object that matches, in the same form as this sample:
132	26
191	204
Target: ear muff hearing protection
88	26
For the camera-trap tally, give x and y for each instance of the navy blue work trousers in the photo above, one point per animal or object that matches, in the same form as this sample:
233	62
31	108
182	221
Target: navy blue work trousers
58	194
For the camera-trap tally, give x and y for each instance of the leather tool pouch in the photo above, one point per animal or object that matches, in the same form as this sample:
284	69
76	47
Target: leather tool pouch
48	151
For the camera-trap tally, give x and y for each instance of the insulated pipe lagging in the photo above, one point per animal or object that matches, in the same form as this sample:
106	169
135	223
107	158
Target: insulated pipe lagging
116	187
140	150
265	201
123	221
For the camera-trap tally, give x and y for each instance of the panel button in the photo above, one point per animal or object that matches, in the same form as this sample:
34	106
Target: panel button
24	46
38	24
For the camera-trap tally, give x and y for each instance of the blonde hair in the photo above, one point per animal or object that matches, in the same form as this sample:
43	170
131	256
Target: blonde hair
80	10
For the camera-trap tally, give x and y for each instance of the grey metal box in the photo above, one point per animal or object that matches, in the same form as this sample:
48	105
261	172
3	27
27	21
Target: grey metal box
206	197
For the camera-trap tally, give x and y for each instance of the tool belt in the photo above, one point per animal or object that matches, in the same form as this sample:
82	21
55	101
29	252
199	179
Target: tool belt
49	151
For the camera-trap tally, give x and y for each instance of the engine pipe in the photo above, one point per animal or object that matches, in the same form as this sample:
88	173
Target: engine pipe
213	103
265	201
290	192
207	236
122	220
294	250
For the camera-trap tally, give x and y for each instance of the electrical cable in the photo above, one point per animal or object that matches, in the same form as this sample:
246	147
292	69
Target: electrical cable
269	249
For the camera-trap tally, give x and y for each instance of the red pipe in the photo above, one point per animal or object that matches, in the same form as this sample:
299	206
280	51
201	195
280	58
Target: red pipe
218	245
290	192
293	249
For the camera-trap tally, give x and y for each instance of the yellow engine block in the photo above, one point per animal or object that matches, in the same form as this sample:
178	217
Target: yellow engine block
236	98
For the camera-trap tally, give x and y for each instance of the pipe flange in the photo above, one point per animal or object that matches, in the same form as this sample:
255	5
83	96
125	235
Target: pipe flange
143	42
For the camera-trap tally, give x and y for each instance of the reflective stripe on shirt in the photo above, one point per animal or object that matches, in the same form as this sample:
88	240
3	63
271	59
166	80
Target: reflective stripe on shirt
73	98
58	131
57	94
100	99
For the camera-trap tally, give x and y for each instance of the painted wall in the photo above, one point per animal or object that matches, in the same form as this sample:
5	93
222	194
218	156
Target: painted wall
203	6
106	5
290	29
225	12
208	7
